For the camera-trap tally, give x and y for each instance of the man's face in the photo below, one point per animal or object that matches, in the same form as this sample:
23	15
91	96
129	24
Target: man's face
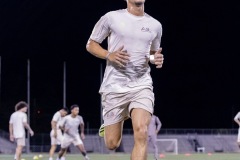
75	111
25	109
137	3
63	113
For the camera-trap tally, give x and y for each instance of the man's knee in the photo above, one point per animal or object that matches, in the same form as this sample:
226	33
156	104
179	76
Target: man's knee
19	148
112	143
140	132
53	146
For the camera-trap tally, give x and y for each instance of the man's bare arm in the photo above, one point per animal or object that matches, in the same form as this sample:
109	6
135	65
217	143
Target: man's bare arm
11	132
26	125
96	49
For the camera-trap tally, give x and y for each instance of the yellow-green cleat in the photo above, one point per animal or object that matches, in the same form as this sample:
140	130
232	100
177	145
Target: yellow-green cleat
101	131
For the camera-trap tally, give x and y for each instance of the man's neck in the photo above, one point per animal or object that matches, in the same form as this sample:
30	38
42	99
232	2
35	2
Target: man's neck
137	11
73	116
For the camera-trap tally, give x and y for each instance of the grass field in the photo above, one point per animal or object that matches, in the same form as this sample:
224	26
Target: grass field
118	156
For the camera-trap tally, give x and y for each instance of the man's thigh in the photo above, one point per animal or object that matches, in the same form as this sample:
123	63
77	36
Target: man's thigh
140	119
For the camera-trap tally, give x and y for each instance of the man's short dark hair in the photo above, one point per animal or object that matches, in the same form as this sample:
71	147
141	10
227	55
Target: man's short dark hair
21	105
74	106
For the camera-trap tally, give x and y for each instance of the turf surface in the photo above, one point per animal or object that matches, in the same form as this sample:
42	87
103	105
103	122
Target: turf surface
202	156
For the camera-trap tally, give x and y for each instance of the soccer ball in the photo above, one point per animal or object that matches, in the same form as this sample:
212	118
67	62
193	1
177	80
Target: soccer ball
35	157
40	156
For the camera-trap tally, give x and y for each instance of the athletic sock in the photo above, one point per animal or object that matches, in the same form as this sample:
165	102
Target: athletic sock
63	158
50	158
84	154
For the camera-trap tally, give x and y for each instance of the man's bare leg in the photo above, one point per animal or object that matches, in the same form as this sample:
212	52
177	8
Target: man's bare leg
140	121
52	151
61	153
83	151
18	152
113	135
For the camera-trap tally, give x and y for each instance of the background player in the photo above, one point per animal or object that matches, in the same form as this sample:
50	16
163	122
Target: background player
153	129
70	125
237	120
56	133
17	125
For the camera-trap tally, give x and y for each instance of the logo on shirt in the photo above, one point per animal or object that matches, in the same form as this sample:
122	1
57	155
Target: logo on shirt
109	115
145	29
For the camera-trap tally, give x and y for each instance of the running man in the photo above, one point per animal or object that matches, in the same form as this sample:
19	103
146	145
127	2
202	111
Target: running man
70	125
237	120
56	133
17	124
153	129
133	40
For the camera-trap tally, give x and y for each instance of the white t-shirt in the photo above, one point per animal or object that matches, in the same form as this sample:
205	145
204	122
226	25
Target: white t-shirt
57	118
17	119
72	124
139	35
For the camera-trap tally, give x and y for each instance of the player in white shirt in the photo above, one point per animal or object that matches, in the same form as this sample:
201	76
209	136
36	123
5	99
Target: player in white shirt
56	133
17	125
70	124
237	120
133	39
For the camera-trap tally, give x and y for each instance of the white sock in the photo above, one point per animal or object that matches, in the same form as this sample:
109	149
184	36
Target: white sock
50	158
15	157
63	158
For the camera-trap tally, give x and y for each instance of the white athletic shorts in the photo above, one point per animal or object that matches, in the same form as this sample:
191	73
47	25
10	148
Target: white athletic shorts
21	141
117	106
68	140
238	140
58	139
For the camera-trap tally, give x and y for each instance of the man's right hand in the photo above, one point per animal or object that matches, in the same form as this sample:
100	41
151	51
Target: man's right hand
119	57
31	133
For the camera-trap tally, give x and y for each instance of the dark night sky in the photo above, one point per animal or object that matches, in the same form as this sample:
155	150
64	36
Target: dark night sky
198	87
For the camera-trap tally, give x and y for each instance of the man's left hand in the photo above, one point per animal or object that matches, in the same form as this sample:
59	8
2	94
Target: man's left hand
158	58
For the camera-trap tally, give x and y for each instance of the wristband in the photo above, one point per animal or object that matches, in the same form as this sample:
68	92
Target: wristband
151	58
107	55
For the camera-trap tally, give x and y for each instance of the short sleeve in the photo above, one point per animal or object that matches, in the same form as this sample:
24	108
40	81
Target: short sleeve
101	29
11	120
55	117
237	116
81	120
157	40
24	120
